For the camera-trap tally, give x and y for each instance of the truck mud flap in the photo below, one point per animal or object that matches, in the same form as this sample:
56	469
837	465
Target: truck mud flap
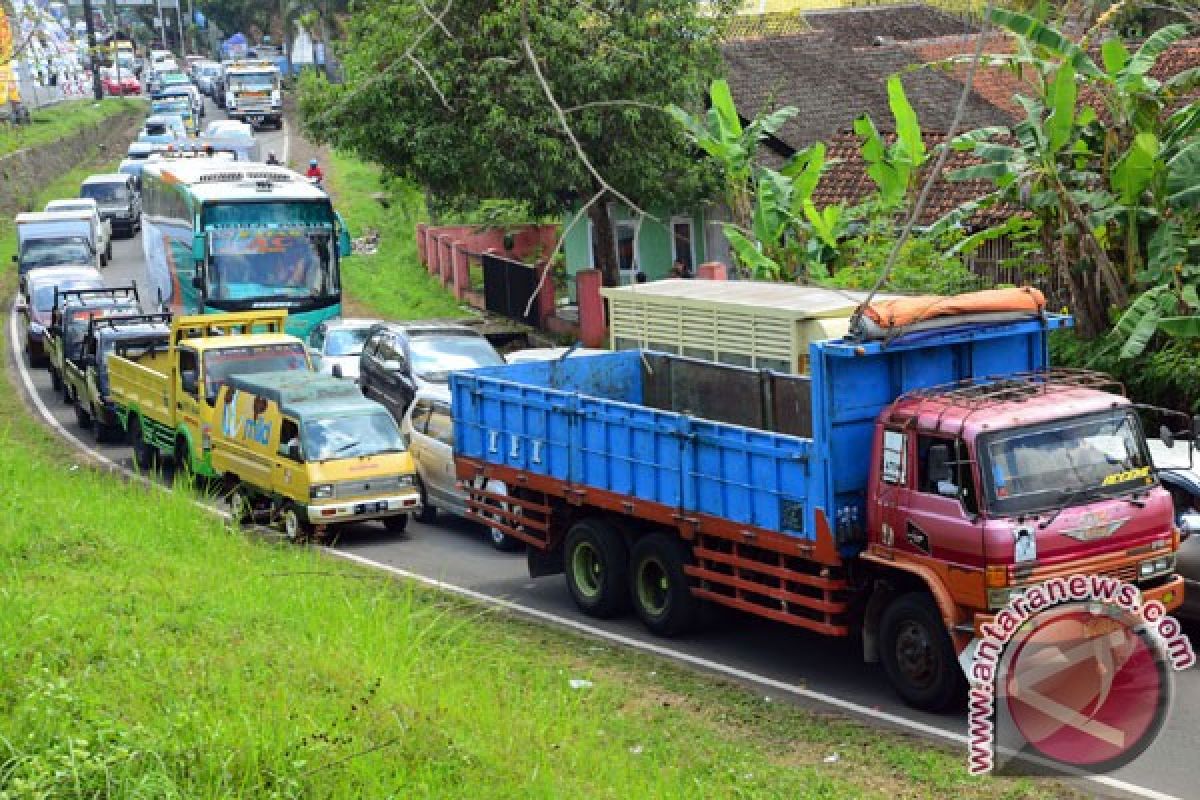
544	562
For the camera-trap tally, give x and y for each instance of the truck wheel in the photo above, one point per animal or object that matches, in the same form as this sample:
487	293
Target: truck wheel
428	512
241	510
182	457
499	539
918	655
659	587
396	523
100	432
143	452
82	417
597	568
296	526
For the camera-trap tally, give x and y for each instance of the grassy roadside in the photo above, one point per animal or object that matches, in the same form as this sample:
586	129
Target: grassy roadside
149	652
55	122
391	283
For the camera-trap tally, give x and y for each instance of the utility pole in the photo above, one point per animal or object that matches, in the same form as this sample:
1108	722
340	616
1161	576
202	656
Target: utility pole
93	56
179	19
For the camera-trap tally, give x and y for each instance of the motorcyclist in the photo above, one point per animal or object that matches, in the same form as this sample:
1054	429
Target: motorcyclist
273	160
314	172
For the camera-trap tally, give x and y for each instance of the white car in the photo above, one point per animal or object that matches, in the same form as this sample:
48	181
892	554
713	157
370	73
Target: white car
102	226
229	127
335	345
1179	471
549	354
429	428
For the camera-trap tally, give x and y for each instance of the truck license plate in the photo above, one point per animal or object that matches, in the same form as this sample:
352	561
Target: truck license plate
365	508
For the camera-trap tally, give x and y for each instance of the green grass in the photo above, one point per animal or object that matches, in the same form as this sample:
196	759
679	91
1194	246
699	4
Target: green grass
55	122
148	651
391	283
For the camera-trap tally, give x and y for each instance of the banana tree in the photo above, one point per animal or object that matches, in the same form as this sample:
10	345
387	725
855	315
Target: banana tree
893	168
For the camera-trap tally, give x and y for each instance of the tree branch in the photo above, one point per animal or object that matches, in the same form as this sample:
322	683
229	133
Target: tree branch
613	103
432	82
562	237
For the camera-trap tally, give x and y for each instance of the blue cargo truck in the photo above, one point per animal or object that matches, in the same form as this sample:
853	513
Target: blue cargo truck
901	492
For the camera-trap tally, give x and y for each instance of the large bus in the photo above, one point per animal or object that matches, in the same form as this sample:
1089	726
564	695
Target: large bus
223	235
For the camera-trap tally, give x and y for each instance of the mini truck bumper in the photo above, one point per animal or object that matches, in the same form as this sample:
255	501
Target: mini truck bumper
355	509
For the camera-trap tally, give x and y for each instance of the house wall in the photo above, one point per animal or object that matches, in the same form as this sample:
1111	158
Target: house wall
655	253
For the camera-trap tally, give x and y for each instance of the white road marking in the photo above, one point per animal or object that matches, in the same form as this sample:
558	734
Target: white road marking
287	141
566	622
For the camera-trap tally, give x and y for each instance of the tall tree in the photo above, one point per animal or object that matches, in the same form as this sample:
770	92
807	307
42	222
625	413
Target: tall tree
556	104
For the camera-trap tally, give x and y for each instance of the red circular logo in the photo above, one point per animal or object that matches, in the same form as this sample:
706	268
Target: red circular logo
1086	686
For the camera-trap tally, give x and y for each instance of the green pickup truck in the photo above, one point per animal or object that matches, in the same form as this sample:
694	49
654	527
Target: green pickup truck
125	335
69	321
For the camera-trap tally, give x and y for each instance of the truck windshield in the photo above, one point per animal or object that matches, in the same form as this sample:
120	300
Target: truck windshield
272	264
220	364
1039	467
351	436
252	82
106	193
51	252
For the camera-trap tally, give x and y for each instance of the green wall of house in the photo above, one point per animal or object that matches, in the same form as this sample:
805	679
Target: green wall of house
655	252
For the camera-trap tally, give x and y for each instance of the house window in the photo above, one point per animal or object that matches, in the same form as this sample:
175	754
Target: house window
625	231
682	247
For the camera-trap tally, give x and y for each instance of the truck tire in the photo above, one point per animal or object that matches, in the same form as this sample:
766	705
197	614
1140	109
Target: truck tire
241	507
917	654
82	417
296	526
143	452
597	568
182	459
395	523
101	432
658	586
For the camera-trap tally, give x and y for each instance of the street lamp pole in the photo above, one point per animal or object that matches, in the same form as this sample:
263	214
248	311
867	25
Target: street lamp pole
97	87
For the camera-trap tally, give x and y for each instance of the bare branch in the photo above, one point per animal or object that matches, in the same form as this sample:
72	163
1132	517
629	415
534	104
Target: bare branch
437	20
432	82
562	118
562	237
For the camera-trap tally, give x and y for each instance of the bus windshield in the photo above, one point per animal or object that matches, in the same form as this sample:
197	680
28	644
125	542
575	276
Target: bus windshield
271	264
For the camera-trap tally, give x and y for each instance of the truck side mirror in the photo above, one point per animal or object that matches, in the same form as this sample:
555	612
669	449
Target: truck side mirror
1168	438
14	258
293	450
337	371
198	247
1189	523
939	465
198	277
21	307
187	381
394	365
345	245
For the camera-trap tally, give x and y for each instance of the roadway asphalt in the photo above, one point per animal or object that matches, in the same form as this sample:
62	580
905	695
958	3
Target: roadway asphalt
782	662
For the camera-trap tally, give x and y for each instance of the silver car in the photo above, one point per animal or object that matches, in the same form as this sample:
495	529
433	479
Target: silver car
429	427
335	345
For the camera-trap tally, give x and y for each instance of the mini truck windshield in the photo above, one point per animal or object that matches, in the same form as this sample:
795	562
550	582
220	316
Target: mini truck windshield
272	264
1040	467
350	436
49	252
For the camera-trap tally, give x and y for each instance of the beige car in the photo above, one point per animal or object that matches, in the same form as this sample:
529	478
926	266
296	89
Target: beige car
429	428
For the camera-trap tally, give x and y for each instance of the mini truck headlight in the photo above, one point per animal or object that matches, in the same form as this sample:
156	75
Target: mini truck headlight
321	491
1157	566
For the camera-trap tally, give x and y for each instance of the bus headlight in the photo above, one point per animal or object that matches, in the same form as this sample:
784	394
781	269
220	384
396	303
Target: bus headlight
321	491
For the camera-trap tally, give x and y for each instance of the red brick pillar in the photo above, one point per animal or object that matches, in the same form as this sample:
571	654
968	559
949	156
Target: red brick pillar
462	270
593	328
421	226
446	265
546	294
713	271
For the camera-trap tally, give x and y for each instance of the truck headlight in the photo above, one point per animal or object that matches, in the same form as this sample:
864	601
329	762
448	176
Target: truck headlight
1156	566
321	491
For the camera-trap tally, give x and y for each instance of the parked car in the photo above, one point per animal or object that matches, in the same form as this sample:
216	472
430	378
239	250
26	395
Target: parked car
1179	472
126	83
119	200
336	344
398	360
429	428
33	310
101	224
548	354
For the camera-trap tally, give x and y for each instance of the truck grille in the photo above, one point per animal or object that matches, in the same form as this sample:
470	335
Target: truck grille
366	487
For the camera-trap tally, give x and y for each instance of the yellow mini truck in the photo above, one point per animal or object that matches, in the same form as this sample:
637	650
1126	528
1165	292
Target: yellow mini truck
310	451
165	399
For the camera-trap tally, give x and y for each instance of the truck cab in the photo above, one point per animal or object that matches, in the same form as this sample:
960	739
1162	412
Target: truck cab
166	400
311	451
127	335
72	312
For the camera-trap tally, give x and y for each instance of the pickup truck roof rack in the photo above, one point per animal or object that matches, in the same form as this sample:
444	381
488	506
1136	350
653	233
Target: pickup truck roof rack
987	391
123	320
83	295
202	326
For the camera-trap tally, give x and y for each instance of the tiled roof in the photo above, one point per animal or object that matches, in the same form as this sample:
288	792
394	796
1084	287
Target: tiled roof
861	27
997	84
846	181
832	84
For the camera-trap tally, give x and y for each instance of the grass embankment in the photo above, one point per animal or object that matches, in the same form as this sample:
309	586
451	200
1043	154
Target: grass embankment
147	651
391	283
54	122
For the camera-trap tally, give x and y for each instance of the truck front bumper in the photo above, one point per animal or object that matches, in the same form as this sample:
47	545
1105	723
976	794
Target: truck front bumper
354	509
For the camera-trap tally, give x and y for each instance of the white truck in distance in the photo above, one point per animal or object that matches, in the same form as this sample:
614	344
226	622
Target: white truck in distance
252	93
